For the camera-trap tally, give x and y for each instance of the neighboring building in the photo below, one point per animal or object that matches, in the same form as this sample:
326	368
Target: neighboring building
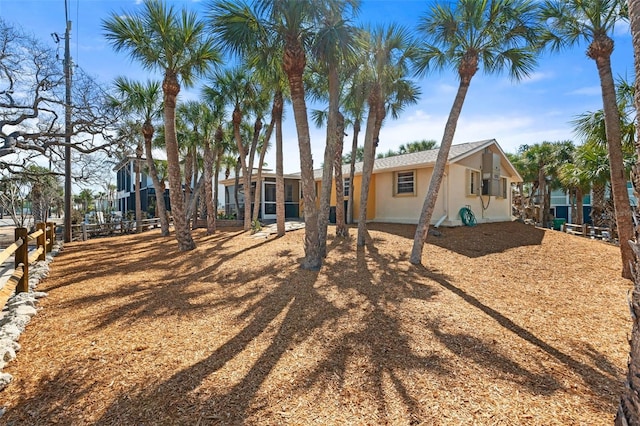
561	207
477	174
125	187
267	205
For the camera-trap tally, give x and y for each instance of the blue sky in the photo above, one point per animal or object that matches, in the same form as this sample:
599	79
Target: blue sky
538	109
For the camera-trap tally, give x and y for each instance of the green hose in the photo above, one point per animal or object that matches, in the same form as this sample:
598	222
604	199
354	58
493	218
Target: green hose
467	216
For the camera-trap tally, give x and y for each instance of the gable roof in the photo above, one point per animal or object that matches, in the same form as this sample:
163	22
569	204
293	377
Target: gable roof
425	158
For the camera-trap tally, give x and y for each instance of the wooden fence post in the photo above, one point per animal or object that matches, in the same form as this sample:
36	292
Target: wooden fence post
42	240
84	231
585	227
51	235
22	258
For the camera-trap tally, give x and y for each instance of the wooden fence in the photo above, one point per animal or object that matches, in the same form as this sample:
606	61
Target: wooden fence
43	238
588	231
84	231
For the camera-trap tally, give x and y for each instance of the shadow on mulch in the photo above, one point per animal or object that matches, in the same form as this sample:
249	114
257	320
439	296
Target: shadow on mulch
297	299
480	240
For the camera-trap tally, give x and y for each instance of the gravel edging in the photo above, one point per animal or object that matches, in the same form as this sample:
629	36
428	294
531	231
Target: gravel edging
18	312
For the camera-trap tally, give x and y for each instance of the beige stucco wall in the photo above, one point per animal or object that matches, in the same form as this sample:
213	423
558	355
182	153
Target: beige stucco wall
404	208
451	198
486	209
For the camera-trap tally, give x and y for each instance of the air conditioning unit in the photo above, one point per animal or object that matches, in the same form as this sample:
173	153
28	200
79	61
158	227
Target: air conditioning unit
490	173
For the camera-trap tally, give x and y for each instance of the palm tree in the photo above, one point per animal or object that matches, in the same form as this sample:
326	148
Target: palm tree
290	20
239	90
388	49
568	23
86	197
244	32
629	407
333	48
354	107
160	38
465	35
417	146
286	23
145	101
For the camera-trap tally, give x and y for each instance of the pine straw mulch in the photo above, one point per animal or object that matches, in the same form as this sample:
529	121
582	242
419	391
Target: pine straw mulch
505	324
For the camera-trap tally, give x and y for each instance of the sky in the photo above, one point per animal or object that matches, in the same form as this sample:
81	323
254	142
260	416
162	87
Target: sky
539	108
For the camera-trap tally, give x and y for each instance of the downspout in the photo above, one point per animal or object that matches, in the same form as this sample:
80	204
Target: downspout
445	200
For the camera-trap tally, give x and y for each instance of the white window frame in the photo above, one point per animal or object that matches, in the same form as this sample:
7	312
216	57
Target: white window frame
404	177
473	183
504	185
346	186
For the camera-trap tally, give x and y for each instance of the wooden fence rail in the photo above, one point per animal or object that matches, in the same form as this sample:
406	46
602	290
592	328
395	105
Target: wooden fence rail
84	231
587	230
44	238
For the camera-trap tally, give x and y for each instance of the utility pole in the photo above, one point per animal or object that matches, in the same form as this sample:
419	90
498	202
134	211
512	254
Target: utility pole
68	129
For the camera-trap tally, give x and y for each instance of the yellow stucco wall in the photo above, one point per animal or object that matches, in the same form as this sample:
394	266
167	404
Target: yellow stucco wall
405	208
384	206
357	185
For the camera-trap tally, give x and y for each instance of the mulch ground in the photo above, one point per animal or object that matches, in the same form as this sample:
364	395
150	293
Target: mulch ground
505	324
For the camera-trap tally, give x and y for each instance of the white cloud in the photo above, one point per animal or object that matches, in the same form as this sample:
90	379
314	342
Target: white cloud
537	76
586	91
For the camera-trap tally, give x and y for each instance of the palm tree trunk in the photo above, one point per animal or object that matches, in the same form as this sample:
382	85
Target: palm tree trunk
196	169
341	226
137	189
327	166
618	179
542	182
219	153
369	159
183	233
246	172
263	153
161	207
208	188
188	179
276	112
422	229
629	407
293	64
352	169
579	206
236	189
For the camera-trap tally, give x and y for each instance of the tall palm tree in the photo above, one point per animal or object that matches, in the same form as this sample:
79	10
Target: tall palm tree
239	89
333	48
161	38
629	407
466	35
244	32
568	23
145	101
354	106
388	51
291	21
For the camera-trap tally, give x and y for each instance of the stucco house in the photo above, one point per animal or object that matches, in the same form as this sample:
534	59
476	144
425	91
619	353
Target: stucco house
477	174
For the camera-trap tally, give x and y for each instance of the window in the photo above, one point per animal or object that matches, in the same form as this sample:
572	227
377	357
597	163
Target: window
346	186
288	192
503	187
473	182
405	183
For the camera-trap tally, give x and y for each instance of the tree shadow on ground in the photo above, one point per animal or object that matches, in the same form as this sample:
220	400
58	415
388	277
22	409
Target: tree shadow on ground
600	380
476	241
349	311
